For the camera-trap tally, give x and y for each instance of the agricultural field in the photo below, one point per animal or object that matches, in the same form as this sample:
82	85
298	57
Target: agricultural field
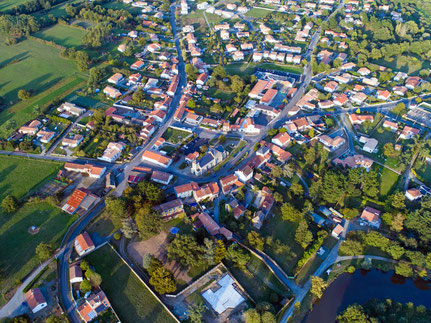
22	112
20	176
131	300
7	5
62	35
15	237
40	63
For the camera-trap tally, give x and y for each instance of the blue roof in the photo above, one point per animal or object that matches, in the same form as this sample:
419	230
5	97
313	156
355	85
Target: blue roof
318	219
174	230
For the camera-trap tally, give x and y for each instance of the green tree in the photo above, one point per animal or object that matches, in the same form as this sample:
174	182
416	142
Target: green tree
220	251
82	61
163	281
403	269
146	261
389	150
399	109
353	314
255	240
333	187
148	222
9	204
318	285
349	214
185	250
252	316
57	319
129	228
85	286
297	189
303	236
44	251
196	312
238	256
117	209
290	213
24	95
94	278
95	76
398	200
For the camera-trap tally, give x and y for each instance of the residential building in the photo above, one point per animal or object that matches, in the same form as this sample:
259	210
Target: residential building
371	217
90	170
161	177
206	192
170	209
94	305
186	190
112	152
370	144
112	92
75	201
157	158
35	300
245	173
31	128
116	78
84	244
409	133
75	273
67	109
282	139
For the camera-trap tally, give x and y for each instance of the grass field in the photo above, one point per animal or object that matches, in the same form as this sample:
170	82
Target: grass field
23	111
17	258
6	5
423	171
388	181
130	299
19	175
58	11
175	136
62	35
41	64
257	13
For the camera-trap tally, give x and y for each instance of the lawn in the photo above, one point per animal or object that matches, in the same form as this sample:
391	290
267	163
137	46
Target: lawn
175	136
62	35
388	181
423	171
257	13
130	299
17	258
410	64
7	5
219	94
20	176
58	11
282	68
23	111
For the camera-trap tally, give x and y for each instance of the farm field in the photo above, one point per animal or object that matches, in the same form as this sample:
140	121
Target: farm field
19	175
23	111
131	300
40	63
62	35
15	238
7	5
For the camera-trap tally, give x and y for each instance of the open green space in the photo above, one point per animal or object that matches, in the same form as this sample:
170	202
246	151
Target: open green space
7	5
409	64
20	176
423	171
22	112
175	136
62	35
131	299
282	68
58	11
16	240
220	94
257	13
388	181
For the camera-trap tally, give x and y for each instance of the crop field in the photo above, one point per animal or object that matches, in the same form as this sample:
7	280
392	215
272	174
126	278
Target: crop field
62	35
41	64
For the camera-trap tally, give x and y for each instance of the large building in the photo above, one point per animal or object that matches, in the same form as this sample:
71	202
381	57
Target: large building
211	159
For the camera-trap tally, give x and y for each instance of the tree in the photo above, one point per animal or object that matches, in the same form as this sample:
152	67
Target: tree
209	252
389	150
196	312
185	250
44	251
57	319
403	269
277	172
85	286
84	265
148	222
399	109
129	228
238	256
278	197
95	76
163	281
155	264
333	187
252	316
302	235
146	261
290	213
297	189
117	209
318	285
24	318
398	222
9	204
82	60
398	200
268	317
24	95
349	214
255	240
94	278
220	251
353	314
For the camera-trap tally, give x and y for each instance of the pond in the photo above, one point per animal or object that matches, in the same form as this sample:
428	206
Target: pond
362	286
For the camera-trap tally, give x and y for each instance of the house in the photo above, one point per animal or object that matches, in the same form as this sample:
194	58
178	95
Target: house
30	129
370	144
137	65
231	48
226	296
383	95
157	158
257	57
412	82
392	126
94	305
112	152
191	157
399	90
224	34
245	173
84	244
193	118
35	300
212	158
359	98
282	139
122	48
263	202
259	87
112	92
409	133
45	136
74	201
75	273
358	119
161	177
331	86
413	194
370	81
371	217
338	229
201	80
69	109
208	191
268	97
116	78
363	71
238	56
170	209
341	100
90	170
228	182
355	161
186	190
72	142
331	144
